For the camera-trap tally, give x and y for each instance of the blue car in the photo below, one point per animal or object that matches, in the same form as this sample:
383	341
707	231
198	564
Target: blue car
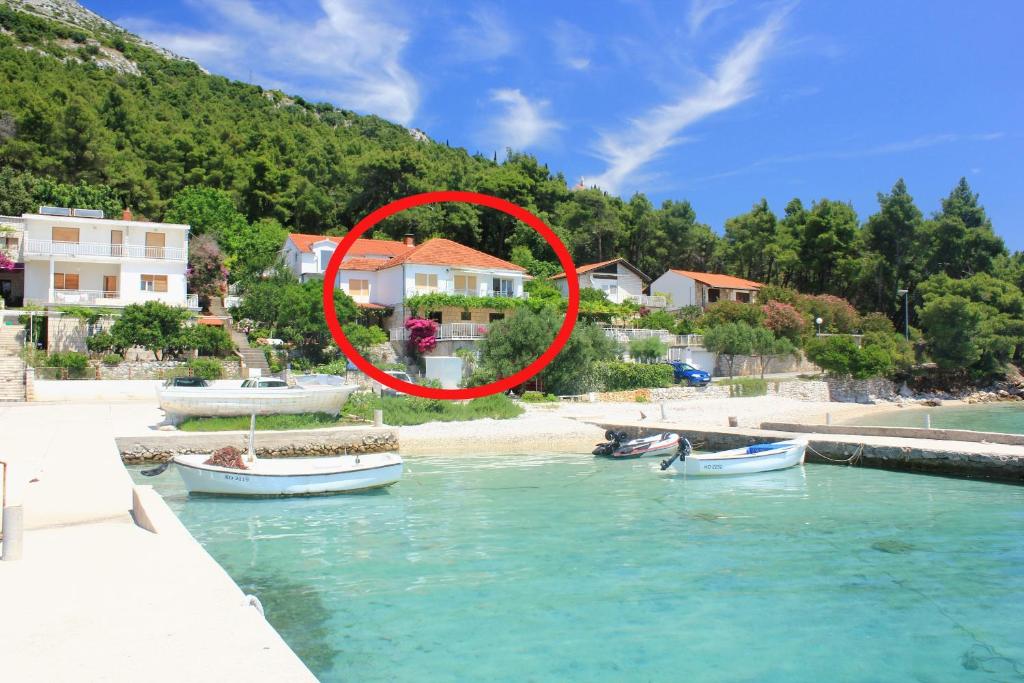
691	375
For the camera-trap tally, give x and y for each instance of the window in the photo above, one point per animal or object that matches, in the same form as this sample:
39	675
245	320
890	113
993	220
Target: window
426	281
714	295
154	283
359	288
494	317
65	235
325	256
466	284
435	316
466	316
503	287
743	297
65	280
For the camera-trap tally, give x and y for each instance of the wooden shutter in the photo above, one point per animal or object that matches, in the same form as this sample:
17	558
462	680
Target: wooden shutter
64	235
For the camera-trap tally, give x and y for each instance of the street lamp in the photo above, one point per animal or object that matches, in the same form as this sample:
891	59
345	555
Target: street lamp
818	322
905	293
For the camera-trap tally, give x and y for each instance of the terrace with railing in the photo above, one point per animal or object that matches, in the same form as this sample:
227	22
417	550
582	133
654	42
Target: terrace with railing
447	332
628	334
95	297
35	247
648	301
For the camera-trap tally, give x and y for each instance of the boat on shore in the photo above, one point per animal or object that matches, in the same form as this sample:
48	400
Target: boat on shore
215	401
766	457
619	447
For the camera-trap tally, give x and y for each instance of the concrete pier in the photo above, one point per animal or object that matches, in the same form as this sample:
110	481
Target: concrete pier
1003	462
97	596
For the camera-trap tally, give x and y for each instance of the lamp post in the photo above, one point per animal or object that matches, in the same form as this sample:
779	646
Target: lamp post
905	293
818	322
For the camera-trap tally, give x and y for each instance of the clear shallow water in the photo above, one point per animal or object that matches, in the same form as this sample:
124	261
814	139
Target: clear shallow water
528	568
990	417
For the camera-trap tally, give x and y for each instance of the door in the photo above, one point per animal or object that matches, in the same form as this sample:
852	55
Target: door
110	290
7	292
65	241
155	243
117	243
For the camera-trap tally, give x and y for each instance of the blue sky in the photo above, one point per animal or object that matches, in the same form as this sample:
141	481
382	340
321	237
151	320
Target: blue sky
721	102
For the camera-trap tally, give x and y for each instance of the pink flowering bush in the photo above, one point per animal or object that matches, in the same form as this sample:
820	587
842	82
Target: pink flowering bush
837	315
5	262
422	335
784	320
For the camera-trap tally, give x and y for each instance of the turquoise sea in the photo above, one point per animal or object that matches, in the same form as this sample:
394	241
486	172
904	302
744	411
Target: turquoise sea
570	568
987	417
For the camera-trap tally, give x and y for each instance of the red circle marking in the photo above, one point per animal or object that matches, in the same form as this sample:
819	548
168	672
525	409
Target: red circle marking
331	274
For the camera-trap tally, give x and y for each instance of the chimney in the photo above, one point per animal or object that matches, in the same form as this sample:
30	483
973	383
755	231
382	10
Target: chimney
409	240
126	215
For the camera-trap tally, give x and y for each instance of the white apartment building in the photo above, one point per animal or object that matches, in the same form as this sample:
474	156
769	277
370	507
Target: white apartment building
620	281
78	257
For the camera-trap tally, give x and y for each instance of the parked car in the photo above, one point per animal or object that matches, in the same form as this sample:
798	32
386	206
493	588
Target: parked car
264	383
685	372
192	382
400	375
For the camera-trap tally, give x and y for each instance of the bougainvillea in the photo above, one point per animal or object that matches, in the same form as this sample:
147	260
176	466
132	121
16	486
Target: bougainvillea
422	335
784	320
5	262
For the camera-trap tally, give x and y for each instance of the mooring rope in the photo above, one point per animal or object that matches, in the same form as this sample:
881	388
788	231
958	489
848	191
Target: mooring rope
852	460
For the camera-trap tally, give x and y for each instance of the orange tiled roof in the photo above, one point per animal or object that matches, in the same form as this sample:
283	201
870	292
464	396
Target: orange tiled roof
362	247
363	263
716	280
442	252
580	270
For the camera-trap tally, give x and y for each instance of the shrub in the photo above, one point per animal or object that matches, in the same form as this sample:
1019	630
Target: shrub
691	320
770	293
876	322
112	359
618	376
209	340
74	362
722	312
840	356
422	335
647	350
837	315
748	386
364	338
657	320
730	340
206	368
784	320
538	397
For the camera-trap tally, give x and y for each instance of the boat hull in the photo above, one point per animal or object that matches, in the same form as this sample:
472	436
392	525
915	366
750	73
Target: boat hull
789	455
291	476
215	402
652	446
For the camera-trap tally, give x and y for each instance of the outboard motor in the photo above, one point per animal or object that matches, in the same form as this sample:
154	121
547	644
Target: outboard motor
615	440
682	451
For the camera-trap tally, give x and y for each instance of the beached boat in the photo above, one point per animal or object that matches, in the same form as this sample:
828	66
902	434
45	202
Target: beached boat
217	401
228	472
619	448
766	457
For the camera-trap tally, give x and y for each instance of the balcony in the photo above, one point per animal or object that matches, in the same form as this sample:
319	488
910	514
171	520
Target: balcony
34	247
653	301
95	297
447	332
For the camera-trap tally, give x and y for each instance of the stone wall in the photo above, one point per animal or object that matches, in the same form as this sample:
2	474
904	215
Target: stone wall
269	444
795	389
750	366
154	369
861	390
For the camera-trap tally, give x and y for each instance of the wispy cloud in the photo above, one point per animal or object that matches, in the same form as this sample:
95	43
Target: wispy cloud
523	123
484	37
899	147
700	10
572	45
350	54
647	136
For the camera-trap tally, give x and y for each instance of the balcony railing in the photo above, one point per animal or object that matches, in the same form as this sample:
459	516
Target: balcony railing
444	287
447	332
49	248
649	301
96	297
627	334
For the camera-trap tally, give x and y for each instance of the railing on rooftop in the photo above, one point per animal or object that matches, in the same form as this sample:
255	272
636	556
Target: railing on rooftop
50	248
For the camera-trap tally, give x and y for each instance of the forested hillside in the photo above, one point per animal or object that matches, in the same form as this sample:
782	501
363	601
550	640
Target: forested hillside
94	114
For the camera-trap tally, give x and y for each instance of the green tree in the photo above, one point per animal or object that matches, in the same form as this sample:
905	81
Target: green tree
647	349
764	345
959	240
730	340
154	326
207	274
751	243
895	234
208	211
828	238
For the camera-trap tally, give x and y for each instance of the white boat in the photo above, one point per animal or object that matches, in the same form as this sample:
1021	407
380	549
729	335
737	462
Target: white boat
291	476
285	476
747	460
267	400
618	448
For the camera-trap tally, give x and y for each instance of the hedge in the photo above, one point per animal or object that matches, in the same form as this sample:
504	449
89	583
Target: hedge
618	376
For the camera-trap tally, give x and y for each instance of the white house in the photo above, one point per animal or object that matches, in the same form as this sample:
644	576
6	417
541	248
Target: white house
618	279
688	288
76	256
384	273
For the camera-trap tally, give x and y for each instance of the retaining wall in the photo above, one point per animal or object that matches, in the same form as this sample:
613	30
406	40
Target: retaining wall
861	390
900	432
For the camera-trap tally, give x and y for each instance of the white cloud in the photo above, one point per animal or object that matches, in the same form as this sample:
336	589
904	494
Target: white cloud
485	37
352	51
648	135
523	123
572	45
700	10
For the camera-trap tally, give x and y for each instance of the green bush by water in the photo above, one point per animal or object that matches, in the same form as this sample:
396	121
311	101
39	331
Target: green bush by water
617	376
538	397
413	410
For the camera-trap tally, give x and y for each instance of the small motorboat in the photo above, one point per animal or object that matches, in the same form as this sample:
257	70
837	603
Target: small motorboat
619	448
766	457
229	472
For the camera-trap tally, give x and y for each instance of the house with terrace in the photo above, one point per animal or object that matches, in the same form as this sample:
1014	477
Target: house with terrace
396	279
688	288
621	282
65	256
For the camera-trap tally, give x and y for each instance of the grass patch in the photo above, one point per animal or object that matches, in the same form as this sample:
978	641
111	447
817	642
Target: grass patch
538	397
412	410
747	386
263	422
